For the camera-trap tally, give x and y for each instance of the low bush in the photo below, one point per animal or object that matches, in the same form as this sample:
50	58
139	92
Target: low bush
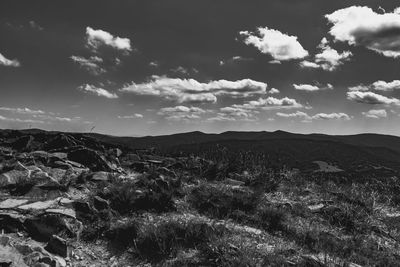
221	201
272	219
133	196
221	253
122	234
159	241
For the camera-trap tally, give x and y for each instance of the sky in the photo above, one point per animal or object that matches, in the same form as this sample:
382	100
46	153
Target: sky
154	67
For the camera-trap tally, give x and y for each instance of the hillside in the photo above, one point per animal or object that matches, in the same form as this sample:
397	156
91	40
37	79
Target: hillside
234	199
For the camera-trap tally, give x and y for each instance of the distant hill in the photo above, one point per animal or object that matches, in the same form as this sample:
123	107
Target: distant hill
362	153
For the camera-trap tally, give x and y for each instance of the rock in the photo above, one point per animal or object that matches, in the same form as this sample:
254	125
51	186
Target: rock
43	227
39	205
155	162
133	157
60	155
91	159
9	256
13	177
24	249
166	172
100	204
316	208
12	222
116	152
100	176
4	240
61	141
66	212
24	143
58	246
139	166
234	182
12	203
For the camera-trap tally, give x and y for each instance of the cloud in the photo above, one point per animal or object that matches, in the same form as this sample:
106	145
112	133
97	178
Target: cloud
91	64
181	113
280	46
233	60
362	26
360	87
328	59
22	110
375	113
331	116
386	86
154	64
297	114
34	25
9	62
36	116
88	88
371	98
235	114
270	103
56	118
25	25
134	116
378	86
98	38
2	118
320	116
274	91
311	88
190	90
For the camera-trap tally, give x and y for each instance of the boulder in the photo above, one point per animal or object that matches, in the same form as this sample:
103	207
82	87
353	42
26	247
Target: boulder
91	159
101	176
58	246
61	141
24	143
166	172
139	166
43	227
12	222
133	157
9	256
13	177
100	203
11	203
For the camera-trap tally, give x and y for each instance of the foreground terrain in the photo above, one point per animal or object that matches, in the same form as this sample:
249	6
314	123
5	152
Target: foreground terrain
192	200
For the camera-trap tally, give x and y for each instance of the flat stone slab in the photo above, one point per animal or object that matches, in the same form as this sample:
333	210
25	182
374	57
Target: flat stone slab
12	203
40	205
66	212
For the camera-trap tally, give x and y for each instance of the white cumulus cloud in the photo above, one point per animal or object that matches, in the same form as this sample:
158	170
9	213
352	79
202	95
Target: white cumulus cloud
328	59
98	38
190	90
88	88
181	113
9	62
91	65
360	25
312	88
371	98
280	46
319	116
375	113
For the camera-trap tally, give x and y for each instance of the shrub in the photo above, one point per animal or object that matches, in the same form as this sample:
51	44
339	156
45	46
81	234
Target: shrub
221	253
265	181
222	201
157	242
122	234
143	195
272	219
